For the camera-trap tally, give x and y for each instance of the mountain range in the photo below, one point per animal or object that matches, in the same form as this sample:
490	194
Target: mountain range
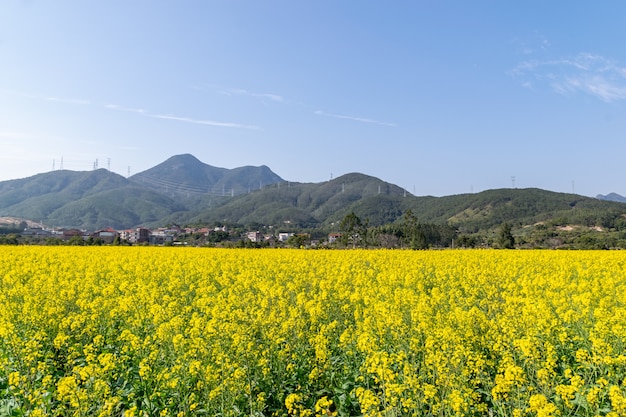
612	197
183	190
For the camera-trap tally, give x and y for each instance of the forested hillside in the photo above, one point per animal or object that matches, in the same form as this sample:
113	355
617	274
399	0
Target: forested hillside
185	191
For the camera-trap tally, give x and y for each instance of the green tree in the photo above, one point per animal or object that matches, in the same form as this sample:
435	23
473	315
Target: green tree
505	237
76	241
413	232
298	240
353	230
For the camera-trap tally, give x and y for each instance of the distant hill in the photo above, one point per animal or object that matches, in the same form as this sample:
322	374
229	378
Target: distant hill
612	197
528	206
185	175
323	205
305	204
91	199
100	198
183	190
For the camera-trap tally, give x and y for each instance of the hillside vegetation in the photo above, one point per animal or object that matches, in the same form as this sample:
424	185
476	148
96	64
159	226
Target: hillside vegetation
183	190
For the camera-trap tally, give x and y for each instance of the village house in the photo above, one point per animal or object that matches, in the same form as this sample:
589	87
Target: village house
333	237
67	234
162	236
284	236
35	231
107	235
255	237
136	235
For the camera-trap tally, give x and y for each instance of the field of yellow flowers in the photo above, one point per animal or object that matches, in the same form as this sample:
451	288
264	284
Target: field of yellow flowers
119	331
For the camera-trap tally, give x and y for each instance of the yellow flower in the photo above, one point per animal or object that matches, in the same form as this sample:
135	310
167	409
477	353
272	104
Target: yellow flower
325	407
540	405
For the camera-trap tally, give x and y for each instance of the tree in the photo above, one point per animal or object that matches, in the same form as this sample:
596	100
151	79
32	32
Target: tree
299	240
76	241
353	230
505	237
466	241
413	232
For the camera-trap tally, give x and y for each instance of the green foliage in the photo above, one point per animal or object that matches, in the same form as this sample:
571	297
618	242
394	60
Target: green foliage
505	237
184	176
353	231
168	193
298	240
410	233
413	232
76	241
9	239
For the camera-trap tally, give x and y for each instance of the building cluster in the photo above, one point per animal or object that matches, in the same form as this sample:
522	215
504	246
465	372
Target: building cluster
161	236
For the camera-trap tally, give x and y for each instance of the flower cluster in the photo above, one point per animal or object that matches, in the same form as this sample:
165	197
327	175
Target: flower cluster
138	331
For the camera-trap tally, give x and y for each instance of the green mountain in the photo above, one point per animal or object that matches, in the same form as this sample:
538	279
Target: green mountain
323	205
489	209
310	204
612	197
183	190
97	199
90	200
185	176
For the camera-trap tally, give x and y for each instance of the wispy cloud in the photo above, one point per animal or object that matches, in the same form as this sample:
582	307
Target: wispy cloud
586	73
201	122
355	118
125	109
184	119
263	96
76	101
535	43
116	107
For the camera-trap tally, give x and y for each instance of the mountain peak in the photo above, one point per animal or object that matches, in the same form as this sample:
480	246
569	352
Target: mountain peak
185	157
186	174
612	197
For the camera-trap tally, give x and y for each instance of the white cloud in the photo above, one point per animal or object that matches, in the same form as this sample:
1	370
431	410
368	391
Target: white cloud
535	43
68	100
241	92
585	73
202	122
179	118
122	108
355	118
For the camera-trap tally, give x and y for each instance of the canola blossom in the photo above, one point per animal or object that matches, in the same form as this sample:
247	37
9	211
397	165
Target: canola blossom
118	331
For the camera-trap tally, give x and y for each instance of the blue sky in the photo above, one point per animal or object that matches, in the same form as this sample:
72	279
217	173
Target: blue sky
438	97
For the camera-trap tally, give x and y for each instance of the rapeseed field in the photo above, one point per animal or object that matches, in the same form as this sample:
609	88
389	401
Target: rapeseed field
110	331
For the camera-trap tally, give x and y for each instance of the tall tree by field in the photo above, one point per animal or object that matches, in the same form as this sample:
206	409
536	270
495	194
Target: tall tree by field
505	237
413	232
354	230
